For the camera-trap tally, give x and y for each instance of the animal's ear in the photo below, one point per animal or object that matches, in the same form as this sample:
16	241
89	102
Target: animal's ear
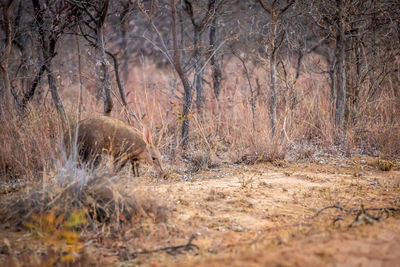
146	135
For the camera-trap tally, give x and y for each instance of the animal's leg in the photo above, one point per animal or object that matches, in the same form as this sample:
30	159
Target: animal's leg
84	154
88	158
135	167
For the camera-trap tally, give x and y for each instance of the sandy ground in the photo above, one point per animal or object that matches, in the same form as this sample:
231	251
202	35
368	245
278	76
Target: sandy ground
263	215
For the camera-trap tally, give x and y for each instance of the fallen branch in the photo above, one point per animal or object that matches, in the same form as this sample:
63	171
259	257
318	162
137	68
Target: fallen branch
172	250
362	216
328	207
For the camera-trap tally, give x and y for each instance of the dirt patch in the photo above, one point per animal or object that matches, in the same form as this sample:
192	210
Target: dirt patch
371	248
262	215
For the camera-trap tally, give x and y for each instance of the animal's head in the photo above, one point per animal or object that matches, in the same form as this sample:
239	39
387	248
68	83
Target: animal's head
152	155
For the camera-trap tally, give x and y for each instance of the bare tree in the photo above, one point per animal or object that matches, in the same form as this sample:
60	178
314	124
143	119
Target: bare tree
50	29
341	61
215	60
93	17
199	26
275	12
345	23
187	101
108	103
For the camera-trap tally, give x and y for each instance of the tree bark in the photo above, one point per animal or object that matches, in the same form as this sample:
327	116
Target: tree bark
272	96
5	93
332	84
214	61
341	72
187	97
106	82
124	41
199	70
181	30
371	65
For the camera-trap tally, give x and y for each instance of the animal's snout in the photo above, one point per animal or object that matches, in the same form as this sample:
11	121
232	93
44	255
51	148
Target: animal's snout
161	173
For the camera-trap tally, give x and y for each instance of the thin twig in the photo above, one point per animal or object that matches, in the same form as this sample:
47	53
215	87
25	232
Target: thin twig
329	207
173	250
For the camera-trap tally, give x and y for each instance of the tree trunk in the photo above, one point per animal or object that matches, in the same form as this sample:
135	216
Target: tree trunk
106	82
20	42
272	97
124	43
181	30
200	93
187	97
186	110
5	93
199	70
275	15
214	61
252	98
341	74
118	79
332	75
371	64
354	80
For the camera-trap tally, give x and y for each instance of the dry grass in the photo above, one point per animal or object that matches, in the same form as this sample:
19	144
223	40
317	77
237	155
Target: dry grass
108	199
225	133
71	205
27	144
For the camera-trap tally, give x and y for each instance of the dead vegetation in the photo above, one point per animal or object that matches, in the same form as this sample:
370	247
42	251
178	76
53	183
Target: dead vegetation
101	194
27	144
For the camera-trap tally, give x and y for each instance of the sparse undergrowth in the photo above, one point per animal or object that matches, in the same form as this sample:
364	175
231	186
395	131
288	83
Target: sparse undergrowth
71	203
28	143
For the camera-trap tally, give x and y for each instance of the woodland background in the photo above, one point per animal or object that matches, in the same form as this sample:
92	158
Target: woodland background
215	80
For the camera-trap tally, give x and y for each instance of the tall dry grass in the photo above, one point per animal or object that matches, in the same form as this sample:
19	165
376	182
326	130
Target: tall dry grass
108	199
28	143
227	132
71	207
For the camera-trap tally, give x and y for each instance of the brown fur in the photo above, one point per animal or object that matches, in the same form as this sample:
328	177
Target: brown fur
106	135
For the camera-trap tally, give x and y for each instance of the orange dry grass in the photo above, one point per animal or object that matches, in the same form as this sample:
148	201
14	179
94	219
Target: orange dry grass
225	131
28	143
377	124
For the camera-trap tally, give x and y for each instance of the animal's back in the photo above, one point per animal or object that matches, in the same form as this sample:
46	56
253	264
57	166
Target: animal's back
105	134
